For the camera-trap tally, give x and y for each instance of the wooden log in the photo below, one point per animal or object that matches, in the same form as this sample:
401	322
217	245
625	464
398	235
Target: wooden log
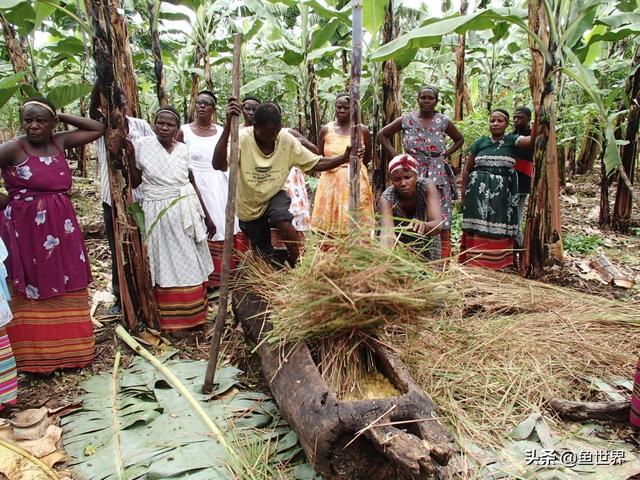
617	411
328	427
610	273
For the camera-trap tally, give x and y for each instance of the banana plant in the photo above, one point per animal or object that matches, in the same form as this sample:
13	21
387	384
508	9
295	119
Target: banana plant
57	70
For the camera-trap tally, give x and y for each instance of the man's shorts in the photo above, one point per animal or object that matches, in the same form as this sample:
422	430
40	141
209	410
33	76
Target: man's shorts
259	230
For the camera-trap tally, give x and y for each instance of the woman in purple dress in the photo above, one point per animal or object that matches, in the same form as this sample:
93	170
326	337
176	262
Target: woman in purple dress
424	138
48	266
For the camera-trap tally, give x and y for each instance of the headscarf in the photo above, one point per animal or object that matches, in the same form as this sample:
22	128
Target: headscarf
404	161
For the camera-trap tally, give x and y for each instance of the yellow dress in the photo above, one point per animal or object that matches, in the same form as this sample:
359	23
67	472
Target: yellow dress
331	205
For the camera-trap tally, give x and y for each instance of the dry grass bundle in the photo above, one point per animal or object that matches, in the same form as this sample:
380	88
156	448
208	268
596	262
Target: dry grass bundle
343	361
348	284
513	344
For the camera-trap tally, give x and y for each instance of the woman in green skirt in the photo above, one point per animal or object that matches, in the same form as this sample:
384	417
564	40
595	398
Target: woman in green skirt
490	196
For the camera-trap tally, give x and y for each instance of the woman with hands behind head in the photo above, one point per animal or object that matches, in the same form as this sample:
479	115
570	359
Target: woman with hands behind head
177	224
48	266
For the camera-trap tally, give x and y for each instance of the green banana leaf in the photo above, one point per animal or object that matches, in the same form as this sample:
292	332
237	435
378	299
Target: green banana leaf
138	427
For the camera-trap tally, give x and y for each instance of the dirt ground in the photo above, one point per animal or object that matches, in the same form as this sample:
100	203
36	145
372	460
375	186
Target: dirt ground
579	211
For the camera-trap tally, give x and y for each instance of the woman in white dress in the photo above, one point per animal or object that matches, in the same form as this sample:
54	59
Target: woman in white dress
201	136
177	224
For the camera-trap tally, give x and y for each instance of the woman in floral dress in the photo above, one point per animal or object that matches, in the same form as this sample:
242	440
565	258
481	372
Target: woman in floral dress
48	266
424	138
490	196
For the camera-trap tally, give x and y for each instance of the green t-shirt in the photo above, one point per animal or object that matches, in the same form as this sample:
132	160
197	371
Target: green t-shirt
261	177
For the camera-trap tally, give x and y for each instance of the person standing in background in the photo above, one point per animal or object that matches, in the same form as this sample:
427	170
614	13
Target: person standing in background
523	166
135	128
201	136
174	211
331	214
423	137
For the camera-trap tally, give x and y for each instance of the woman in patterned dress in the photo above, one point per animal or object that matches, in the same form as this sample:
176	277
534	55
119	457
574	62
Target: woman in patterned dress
412	204
177	223
47	264
331	204
490	196
424	138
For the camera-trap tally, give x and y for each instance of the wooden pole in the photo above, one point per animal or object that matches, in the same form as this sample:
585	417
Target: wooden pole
356	71
227	250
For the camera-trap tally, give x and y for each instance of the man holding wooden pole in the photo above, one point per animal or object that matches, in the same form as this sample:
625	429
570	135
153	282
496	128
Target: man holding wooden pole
267	154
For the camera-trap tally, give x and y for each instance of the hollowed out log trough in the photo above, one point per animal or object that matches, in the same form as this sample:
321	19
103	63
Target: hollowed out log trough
326	426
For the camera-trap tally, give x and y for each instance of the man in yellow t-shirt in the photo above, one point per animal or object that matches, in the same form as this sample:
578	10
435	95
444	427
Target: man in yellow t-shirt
267	153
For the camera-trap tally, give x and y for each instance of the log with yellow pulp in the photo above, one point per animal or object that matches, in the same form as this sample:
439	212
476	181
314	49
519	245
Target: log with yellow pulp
373	385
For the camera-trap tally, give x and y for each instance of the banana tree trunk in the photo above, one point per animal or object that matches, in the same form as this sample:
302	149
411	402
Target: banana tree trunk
113	63
468	104
82	151
391	99
156	50
458	113
15	49
195	83
604	215
623	202
589	150
542	242
299	109
571	158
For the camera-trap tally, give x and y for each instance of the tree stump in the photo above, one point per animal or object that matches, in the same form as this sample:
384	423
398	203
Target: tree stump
349	439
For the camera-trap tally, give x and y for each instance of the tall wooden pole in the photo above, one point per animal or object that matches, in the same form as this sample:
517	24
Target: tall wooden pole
356	71
227	250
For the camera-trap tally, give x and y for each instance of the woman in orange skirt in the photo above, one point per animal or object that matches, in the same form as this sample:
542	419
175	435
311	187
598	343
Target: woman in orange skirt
331	205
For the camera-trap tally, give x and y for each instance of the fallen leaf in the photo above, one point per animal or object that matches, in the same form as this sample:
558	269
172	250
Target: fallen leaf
44	445
54	458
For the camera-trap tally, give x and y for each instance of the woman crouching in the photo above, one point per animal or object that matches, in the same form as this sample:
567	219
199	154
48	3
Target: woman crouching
413	205
177	223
